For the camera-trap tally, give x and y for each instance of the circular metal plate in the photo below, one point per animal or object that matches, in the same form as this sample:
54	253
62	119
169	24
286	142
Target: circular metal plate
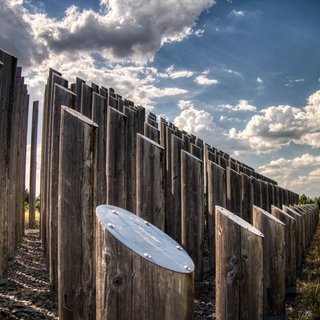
144	239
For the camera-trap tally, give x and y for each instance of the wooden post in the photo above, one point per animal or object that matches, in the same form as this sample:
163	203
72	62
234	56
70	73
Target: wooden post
6	105
132	129
141	272
99	116
14	200
76	202
151	132
174	216
246	197
86	100
196	151
116	158
216	196
76	88
239	268
256	191
169	226
264	196
22	165
150	181
192	210
298	236
54	78
290	248
273	262
233	183
33	165
61	96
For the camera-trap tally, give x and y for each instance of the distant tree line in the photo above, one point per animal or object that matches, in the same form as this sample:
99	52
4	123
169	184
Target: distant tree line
27	200
303	199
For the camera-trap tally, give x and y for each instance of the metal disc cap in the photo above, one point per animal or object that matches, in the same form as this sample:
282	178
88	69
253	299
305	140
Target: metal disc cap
144	239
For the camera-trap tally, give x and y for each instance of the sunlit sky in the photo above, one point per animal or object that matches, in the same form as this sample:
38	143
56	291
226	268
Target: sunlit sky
242	75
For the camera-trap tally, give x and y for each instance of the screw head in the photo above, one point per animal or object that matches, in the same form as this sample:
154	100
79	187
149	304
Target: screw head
114	212
147	255
147	223
187	268
179	247
110	225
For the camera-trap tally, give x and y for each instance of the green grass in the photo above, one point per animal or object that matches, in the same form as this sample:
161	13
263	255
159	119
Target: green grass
307	302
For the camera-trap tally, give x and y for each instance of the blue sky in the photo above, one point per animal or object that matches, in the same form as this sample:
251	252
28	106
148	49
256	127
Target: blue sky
242	75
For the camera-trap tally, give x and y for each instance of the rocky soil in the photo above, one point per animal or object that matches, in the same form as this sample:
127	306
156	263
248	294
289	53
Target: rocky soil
27	295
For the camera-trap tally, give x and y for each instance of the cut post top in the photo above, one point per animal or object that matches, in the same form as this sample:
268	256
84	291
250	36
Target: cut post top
242	223
144	239
282	212
269	215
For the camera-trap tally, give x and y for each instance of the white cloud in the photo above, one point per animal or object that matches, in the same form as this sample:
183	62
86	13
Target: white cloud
300	174
236	13
129	29
271	129
201	123
232	72
279	126
291	83
243	105
203	80
199	33
174	74
259	80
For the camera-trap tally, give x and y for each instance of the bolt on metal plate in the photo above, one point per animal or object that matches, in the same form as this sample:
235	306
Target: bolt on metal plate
144	239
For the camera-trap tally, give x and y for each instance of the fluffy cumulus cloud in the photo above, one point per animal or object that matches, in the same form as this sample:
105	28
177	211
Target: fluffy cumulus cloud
267	130
118	30
300	174
203	79
201	123
135	82
278	126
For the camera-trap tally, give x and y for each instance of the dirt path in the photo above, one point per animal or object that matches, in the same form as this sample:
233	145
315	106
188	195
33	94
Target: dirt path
27	295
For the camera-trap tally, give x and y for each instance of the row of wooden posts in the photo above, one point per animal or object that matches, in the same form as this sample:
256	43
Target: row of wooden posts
100	148
14	106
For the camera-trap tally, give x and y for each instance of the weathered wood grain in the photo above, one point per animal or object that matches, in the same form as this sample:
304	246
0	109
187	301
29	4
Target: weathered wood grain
116	158
149	181
273	262
33	165
216	196
132	282
239	268
290	248
76	203
192	209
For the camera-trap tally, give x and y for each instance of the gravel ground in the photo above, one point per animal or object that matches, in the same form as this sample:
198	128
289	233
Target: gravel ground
27	295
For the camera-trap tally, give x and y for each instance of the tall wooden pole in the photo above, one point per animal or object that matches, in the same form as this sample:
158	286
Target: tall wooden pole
7	90
61	96
216	196
76	203
290	248
116	158
99	116
273	262
150	182
192	209
239	268
33	165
